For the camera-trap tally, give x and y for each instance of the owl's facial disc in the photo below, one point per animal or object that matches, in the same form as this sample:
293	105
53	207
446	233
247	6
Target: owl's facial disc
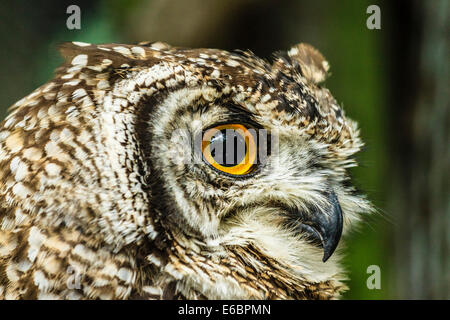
323	228
232	149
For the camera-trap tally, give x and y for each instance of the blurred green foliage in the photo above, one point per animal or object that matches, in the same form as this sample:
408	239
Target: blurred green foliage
357	81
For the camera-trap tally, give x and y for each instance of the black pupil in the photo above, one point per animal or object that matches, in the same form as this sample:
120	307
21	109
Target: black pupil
228	147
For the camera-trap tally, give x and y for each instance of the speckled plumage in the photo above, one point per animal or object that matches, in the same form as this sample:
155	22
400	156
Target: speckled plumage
95	202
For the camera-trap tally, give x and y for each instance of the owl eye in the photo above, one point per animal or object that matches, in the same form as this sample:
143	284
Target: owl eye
230	148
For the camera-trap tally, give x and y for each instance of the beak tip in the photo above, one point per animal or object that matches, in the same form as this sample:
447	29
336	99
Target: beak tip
327	253
328	249
332	234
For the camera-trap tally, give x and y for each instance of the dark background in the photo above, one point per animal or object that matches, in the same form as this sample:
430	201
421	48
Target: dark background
393	81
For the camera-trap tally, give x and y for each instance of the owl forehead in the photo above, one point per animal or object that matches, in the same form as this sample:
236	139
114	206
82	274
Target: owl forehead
242	71
279	95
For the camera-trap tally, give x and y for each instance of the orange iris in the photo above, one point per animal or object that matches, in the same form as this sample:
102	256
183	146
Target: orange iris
239	133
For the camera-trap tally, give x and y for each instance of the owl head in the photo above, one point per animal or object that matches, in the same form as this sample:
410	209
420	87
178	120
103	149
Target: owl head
226	175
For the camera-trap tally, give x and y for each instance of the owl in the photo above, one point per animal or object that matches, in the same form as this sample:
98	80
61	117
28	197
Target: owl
156	172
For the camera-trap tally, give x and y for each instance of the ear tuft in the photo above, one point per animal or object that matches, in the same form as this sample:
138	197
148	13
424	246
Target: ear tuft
312	63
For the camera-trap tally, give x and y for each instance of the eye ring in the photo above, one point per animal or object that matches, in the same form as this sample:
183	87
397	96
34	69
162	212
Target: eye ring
247	163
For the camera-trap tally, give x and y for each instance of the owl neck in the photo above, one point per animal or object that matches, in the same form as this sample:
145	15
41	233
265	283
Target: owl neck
191	269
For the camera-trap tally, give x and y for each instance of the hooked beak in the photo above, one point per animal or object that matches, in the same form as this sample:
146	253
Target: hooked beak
324	228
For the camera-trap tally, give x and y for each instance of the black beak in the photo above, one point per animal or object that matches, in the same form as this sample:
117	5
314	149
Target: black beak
324	228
